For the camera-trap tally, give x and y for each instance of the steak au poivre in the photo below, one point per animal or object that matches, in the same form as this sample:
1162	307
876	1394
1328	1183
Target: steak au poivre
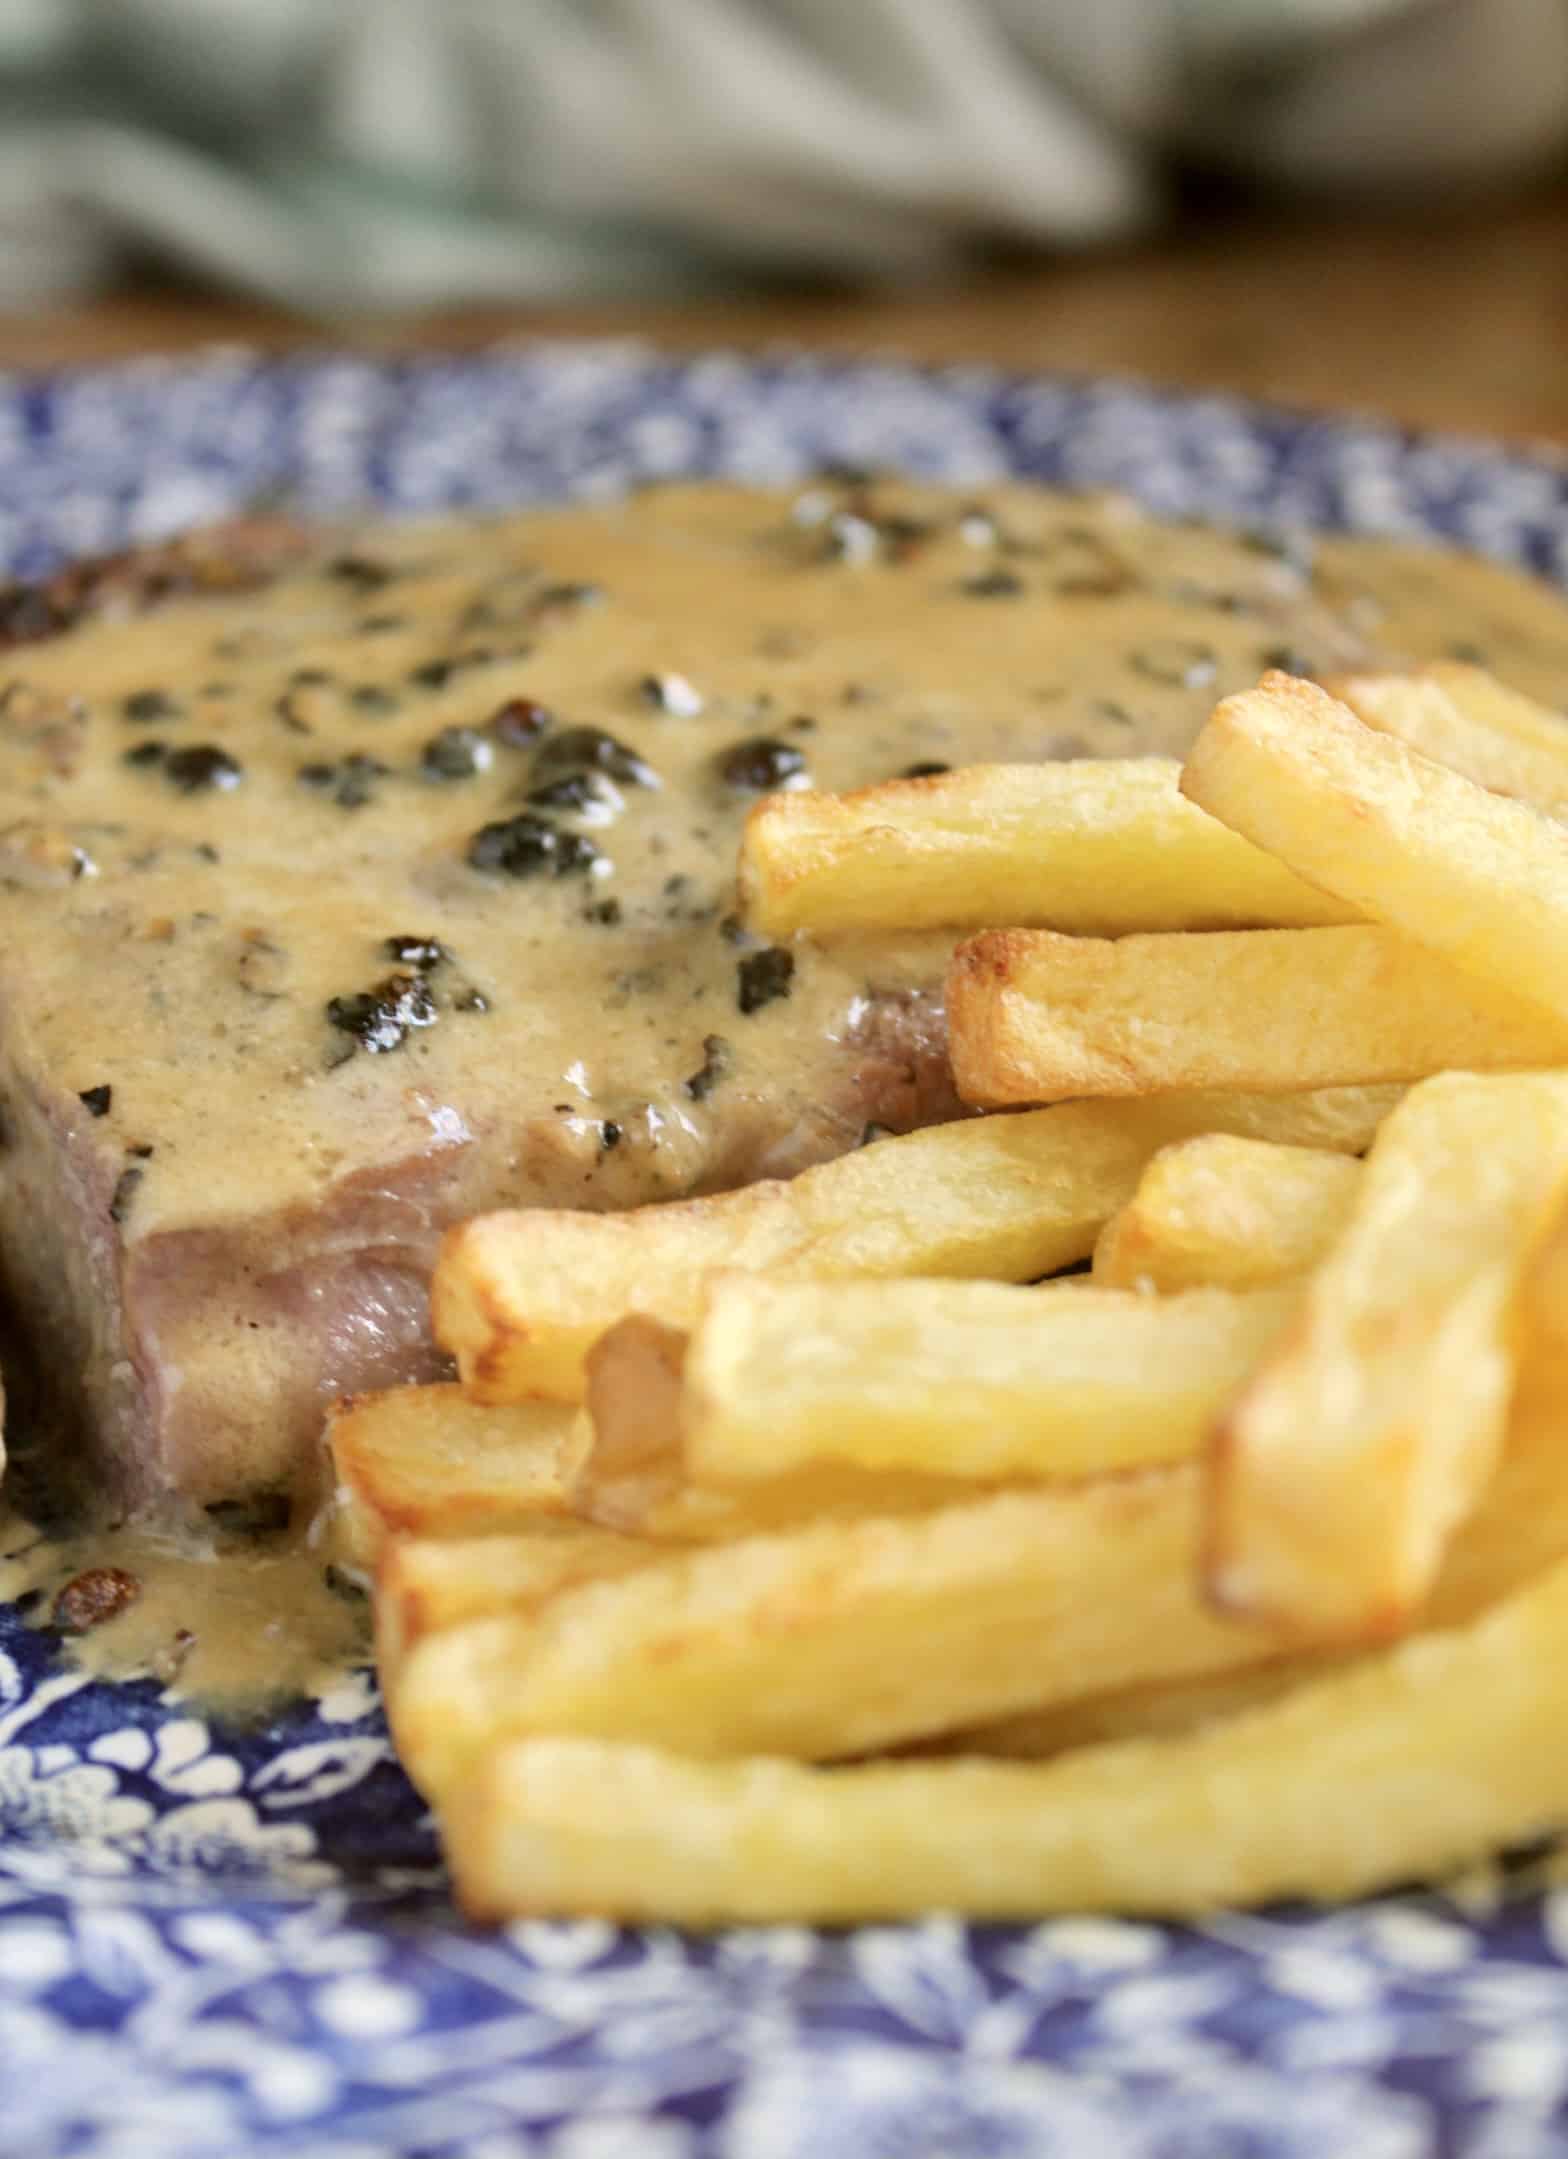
355	882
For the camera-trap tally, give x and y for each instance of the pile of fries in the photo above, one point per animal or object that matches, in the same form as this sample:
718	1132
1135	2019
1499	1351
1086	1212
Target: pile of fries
806	1553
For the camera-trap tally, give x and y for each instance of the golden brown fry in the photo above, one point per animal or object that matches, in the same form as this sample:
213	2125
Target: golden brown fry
1034	1017
427	1461
668	1509
1414	1761
635	1475
425	1584
1367	1436
1461	717
1043	1604
842	1635
1482	880
1096	846
520	1299
1518	1531
960	1379
1161	1711
1226	1212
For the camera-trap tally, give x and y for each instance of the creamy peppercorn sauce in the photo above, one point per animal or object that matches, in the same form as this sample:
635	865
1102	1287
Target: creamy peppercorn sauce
402	886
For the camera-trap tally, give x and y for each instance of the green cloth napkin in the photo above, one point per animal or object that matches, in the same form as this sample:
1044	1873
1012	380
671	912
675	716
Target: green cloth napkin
341	154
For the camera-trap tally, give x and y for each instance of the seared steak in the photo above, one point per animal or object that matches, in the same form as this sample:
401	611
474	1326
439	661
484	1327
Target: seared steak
354	883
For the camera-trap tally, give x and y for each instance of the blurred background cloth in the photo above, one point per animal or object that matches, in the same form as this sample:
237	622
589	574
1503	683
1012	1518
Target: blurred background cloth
370	154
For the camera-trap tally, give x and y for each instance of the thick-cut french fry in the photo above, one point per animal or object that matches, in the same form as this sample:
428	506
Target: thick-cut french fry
1518	1531
424	1584
1462	717
428	1461
663	1507
961	1379
634	1475
842	1635
1492	704
1226	1212
1412	1762
1096	846
1034	1017
1405	841
1366	1437
1148	1712
1030	1605
520	1299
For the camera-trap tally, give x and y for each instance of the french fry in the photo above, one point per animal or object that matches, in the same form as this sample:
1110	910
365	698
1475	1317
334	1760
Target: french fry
1518	1531
1096	846
665	1508
1044	1604
1479	879
1160	1711
1412	1762
1493	704
634	1475
1048	1606
1223	1212
1034	1017
842	1635
426	1584
519	1299
960	1379
1366	1437
1461	717
428	1461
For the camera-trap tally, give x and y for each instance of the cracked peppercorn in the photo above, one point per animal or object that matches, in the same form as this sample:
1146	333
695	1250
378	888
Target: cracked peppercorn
145	707
381	1019
591	749
761	764
456	753
763	976
530	846
201	769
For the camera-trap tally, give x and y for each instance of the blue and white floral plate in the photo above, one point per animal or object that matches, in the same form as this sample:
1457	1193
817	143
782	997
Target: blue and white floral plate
217	1947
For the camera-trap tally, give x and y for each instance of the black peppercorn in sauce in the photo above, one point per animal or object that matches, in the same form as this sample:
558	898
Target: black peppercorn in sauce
761	977
202	768
590	749
993	585
762	764
486	777
520	722
381	1019
146	708
456	753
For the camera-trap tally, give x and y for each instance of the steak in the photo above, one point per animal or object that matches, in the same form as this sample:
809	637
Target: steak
359	881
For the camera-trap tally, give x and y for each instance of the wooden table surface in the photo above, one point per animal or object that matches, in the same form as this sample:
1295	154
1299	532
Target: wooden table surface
1441	320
